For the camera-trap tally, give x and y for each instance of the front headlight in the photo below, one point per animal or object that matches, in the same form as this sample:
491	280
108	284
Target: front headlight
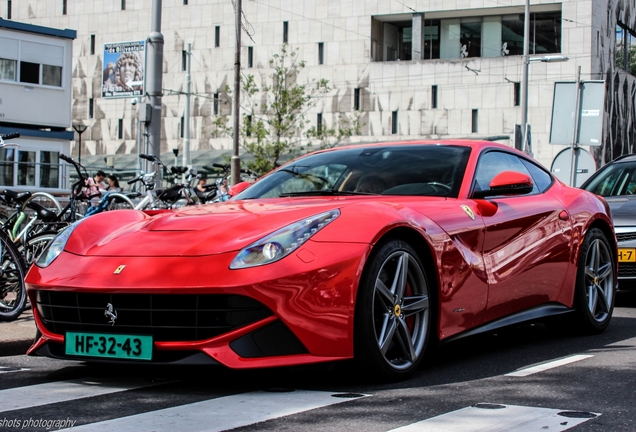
281	243
55	248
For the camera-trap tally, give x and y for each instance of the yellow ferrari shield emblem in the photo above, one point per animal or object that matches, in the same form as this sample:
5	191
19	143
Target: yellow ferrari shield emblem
469	212
119	269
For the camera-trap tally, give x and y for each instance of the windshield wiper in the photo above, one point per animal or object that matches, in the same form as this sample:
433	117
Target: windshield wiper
324	192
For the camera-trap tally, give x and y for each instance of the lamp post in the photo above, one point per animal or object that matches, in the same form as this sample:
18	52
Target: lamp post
525	143
79	128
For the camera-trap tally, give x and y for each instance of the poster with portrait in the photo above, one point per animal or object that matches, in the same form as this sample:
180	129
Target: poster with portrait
123	74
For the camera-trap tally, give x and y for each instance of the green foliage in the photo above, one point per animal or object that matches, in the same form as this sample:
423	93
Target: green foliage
276	121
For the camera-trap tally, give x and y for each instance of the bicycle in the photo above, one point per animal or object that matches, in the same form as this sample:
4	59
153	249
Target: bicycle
13	298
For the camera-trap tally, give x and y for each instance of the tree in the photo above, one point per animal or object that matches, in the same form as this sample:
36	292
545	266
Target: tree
276	127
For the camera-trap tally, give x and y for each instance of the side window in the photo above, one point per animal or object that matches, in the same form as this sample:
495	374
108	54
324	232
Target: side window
542	180
493	163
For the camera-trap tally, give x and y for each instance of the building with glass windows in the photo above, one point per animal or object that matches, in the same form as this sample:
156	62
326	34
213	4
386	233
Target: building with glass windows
35	100
405	70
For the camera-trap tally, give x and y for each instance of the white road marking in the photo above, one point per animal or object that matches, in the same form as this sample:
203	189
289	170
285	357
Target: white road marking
549	365
220	414
507	418
61	391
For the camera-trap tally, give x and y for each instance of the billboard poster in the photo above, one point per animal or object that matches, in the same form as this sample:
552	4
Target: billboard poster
123	74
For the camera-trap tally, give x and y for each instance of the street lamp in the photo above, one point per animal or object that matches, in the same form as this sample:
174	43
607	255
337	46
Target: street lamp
79	128
525	143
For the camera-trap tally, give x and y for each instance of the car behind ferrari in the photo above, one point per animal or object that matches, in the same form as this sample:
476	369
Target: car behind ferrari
366	252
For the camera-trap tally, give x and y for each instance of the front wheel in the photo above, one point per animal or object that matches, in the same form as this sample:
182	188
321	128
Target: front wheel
393	312
595	283
12	288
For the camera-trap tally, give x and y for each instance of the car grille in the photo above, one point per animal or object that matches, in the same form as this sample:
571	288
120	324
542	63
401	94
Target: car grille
626	269
166	317
626	236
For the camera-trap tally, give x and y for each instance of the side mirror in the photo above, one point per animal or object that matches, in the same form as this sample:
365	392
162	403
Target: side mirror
237	188
507	183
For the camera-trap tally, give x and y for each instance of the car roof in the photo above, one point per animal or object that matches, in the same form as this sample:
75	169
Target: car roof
631	157
475	144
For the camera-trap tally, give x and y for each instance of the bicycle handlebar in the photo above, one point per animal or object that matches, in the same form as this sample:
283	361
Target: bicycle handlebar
10	135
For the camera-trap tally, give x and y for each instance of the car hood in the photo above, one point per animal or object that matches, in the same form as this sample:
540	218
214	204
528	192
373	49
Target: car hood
191	231
623	210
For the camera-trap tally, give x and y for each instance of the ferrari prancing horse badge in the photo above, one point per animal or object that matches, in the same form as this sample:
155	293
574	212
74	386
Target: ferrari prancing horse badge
468	211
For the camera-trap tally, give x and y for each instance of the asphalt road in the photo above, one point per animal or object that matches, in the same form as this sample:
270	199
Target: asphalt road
478	384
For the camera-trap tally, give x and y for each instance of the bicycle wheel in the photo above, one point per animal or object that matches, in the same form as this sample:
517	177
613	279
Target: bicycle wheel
117	201
46	200
13	297
35	245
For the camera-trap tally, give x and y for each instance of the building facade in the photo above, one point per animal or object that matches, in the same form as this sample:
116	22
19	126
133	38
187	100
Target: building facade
418	69
35	100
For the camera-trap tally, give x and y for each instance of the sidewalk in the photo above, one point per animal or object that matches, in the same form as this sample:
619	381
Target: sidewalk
17	336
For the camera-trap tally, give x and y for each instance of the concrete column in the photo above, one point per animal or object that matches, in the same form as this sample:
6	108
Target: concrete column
417	42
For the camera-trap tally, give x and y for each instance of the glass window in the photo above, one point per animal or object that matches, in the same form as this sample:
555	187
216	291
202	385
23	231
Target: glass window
7	69
620	47
52	75
631	56
29	72
450	31
7	156
545	33
26	168
470	39
49	169
431	39
512	35
541	178
493	163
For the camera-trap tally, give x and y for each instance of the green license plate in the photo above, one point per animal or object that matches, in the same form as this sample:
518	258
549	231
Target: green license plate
109	346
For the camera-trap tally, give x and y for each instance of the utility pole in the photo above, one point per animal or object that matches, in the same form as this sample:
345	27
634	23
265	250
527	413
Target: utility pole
154	80
524	92
186	117
236	160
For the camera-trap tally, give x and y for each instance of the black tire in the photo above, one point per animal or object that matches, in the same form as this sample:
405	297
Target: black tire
393	316
595	283
13	297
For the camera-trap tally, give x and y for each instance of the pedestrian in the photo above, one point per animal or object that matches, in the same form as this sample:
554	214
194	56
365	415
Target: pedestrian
113	183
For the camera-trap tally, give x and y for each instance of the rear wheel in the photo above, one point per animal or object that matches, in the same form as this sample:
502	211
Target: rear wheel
595	283
393	312
35	245
12	289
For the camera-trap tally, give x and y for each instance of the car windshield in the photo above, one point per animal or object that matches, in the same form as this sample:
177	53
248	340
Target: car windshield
615	180
426	170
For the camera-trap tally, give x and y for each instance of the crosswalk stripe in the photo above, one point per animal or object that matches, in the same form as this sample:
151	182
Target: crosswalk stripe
220	414
500	418
62	391
550	365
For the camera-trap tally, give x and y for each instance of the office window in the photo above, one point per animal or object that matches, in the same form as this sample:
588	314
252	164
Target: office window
92	44
356	99
185	2
517	95
217	36
63	7
49	169
285	31
26	168
319	123
216	104
52	75
434	96
321	53
123	4
8	9
120	129
7	156
29	72
475	118
91	107
248	125
394	122
184	60
182	127
250	57
8	69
